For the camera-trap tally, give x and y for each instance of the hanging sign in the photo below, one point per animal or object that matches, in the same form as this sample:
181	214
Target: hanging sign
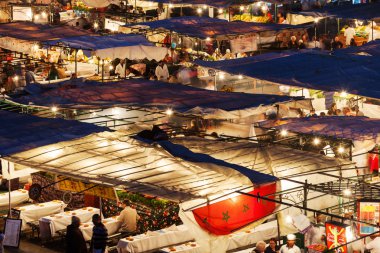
336	236
368	211
89	188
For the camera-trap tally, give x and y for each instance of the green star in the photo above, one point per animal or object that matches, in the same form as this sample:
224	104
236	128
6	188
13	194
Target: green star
226	217
245	208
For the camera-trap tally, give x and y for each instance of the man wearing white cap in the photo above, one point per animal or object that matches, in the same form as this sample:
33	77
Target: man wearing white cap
290	246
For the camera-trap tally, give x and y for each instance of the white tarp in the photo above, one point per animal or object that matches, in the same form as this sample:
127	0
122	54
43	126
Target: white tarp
134	52
100	3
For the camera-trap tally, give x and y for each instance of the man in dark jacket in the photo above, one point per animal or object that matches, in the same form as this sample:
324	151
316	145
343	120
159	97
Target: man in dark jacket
99	235
75	242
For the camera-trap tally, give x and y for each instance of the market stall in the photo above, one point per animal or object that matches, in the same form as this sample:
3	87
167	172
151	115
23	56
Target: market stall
17	197
121	104
197	34
360	132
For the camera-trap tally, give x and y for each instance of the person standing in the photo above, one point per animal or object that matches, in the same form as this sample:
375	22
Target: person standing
128	217
260	247
349	33
99	235
290	246
75	242
272	247
120	69
162	72
374	245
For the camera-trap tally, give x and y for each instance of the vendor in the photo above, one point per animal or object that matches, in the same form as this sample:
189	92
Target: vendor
28	184
290	246
128	217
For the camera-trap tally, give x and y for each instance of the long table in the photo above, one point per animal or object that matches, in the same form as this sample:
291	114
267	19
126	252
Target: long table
190	247
34	212
17	197
50	224
112	225
154	240
251	236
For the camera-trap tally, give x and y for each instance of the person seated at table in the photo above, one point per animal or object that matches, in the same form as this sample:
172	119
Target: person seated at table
53	73
75	242
272	247
336	44
61	72
293	43
99	235
260	247
128	217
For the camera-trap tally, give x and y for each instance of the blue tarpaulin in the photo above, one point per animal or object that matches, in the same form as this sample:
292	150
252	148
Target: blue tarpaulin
149	94
352	11
202	27
22	132
355	74
370	49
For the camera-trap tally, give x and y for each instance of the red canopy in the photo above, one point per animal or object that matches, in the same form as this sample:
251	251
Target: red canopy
225	216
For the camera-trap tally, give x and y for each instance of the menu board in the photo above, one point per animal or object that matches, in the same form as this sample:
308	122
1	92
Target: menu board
12	232
336	236
368	211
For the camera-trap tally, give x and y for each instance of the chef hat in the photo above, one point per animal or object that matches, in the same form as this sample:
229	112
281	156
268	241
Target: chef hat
291	237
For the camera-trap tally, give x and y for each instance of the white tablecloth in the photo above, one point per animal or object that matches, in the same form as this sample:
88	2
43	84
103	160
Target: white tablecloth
163	238
49	225
36	211
249	237
17	197
112	225
190	247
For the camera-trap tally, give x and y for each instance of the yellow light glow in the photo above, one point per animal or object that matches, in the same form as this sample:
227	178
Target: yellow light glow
36	17
316	141
54	109
240	77
220	11
343	94
16	78
111	67
288	219
242	8
284	132
205	7
340	150
199	10
171	6
169	112
208	39
96	25
347	192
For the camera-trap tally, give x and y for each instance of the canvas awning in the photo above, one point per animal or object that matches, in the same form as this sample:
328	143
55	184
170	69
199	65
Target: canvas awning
39	33
354	74
340	127
154	95
347	11
21	132
203	27
115	46
114	159
214	3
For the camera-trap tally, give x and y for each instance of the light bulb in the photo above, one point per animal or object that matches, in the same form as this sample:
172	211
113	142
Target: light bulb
343	94
240	77
340	150
242	8
316	141
169	112
43	14
54	109
199	10
220	11
284	132
347	192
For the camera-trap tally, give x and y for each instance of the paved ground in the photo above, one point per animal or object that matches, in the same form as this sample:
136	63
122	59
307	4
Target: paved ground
29	246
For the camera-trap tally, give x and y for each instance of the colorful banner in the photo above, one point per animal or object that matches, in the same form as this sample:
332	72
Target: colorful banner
223	217
88	188
336	236
373	160
368	211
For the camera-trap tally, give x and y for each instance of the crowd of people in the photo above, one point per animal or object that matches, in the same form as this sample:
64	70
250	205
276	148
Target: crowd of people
75	242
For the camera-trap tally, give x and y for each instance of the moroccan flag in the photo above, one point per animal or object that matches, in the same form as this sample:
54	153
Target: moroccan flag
223	217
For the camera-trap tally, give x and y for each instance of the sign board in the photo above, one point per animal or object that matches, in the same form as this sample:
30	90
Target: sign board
368	211
88	188
244	44
12	231
336	236
22	13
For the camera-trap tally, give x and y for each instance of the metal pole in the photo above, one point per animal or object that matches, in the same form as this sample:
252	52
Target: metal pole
125	68
372	29
315	35
100	207
9	189
76	63
305	197
102	71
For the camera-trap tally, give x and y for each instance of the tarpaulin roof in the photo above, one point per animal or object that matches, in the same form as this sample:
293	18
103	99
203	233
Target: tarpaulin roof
103	42
352	11
153	94
38	32
354	74
369	49
119	160
214	3
21	132
346	127
202	27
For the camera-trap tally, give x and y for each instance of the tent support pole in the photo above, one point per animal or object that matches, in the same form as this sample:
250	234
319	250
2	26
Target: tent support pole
338	25
100	207
76	62
102	71
305	197
9	190
278	228
125	68
372	29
